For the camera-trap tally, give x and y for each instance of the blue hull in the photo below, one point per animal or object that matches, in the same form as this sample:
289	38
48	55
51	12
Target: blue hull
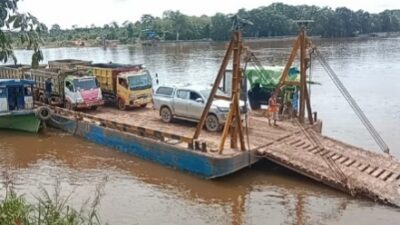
201	164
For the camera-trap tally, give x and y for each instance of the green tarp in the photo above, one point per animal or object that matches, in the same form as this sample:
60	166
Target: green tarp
268	77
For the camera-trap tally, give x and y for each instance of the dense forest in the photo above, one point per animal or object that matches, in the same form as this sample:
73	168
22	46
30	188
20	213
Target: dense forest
276	19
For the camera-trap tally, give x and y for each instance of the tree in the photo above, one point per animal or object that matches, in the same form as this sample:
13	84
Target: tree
25	26
147	21
277	19
130	28
220	27
55	29
178	21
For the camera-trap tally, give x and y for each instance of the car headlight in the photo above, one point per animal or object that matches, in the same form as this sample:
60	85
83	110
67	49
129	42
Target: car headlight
243	109
79	100
223	109
99	96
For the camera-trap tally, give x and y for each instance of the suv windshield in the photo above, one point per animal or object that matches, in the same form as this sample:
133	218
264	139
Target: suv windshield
139	82
85	84
206	93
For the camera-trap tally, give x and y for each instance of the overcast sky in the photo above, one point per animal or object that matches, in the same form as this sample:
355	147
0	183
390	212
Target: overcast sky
99	12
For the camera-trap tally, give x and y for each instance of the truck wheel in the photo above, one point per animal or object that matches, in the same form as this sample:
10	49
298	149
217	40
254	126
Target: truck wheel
93	107
166	114
143	105
121	104
212	123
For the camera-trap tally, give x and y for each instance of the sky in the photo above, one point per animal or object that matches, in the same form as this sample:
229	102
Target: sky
99	12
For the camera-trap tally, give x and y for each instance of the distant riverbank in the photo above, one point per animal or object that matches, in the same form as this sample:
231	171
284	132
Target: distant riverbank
114	43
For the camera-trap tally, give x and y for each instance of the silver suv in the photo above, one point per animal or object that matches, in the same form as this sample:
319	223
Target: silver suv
188	103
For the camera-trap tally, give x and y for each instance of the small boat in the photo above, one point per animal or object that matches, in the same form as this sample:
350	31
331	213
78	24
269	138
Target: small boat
17	110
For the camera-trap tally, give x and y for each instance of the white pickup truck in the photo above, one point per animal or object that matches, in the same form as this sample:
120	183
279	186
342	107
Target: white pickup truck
188	103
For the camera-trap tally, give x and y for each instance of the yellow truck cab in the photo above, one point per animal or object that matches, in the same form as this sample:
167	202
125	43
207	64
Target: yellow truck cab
124	85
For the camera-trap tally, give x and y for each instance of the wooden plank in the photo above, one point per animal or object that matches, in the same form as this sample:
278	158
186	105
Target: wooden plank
364	167
337	156
370	169
378	172
344	159
300	144
385	175
350	163
392	178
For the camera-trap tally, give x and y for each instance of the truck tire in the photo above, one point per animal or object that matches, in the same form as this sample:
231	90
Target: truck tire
143	105
43	113
212	123
121	104
166	114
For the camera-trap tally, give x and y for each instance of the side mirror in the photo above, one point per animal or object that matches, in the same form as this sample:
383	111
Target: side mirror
200	100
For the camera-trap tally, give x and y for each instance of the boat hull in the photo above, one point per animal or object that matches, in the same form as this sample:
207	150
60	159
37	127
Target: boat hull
26	122
194	162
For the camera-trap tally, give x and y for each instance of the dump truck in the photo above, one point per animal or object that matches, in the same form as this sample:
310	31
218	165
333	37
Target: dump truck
67	63
263	82
74	89
124	85
15	71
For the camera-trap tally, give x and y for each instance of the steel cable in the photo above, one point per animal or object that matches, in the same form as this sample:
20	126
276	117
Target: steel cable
358	111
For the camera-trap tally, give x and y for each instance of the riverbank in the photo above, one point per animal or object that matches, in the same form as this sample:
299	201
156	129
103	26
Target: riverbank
115	43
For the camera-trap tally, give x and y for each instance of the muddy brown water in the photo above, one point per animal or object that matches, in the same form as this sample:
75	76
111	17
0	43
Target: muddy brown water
141	192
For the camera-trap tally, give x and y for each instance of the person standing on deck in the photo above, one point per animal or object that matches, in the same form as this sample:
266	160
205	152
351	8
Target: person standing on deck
273	108
295	103
48	90
287	105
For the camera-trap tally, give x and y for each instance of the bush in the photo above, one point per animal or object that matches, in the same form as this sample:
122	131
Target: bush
49	210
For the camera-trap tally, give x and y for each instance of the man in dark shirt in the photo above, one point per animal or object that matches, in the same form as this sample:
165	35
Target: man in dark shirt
48	89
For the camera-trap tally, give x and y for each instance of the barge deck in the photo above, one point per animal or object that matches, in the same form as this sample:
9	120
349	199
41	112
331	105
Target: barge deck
142	133
300	148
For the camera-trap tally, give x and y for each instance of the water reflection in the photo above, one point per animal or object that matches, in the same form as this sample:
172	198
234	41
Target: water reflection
147	193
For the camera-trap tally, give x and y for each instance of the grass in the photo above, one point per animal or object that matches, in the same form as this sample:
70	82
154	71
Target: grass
50	209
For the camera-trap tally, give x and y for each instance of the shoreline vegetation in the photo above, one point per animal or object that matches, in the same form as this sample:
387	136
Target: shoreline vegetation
247	39
49	208
274	21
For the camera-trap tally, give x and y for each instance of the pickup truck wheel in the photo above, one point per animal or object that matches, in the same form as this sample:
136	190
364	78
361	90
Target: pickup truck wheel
68	105
212	123
121	104
143	105
166	114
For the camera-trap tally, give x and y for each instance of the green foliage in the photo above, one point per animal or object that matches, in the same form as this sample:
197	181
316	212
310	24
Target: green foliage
22	29
276	19
14	210
51	209
220	27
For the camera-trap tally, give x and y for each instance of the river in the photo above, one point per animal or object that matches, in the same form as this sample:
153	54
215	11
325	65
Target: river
141	192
